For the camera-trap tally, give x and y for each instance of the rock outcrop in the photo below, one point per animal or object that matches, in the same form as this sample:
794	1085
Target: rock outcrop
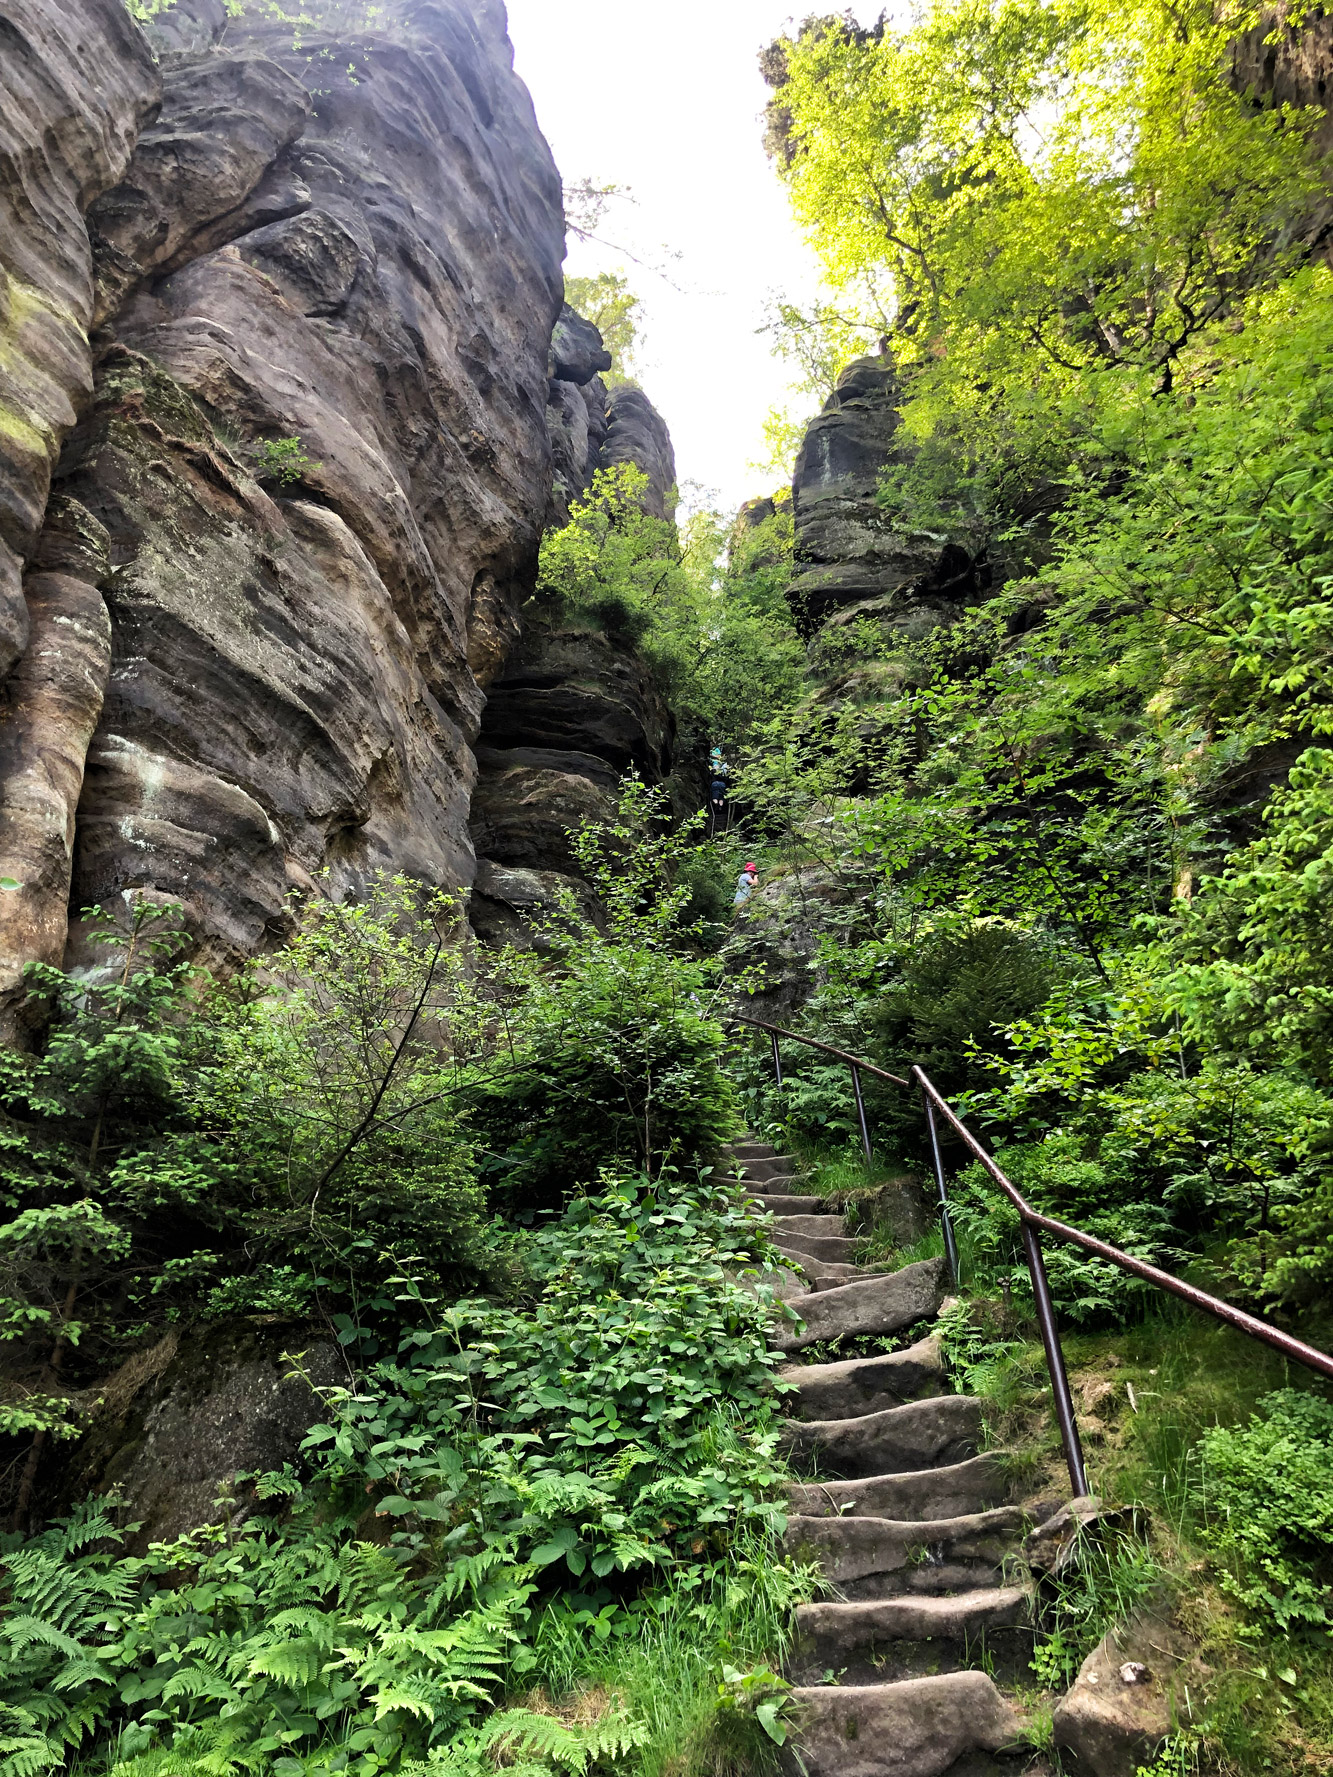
576	706
76	83
852	560
316	457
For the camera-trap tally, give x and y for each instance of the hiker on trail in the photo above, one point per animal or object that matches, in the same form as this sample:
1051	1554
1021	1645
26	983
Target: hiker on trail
717	788
745	883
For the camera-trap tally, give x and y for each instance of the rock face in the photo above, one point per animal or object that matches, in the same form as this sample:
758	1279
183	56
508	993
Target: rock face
316	457
1130	1694
1283	65
850	558
76	83
576	706
176	1424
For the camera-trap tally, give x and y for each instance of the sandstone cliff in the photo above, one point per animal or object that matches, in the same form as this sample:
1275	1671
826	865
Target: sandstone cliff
283	332
852	561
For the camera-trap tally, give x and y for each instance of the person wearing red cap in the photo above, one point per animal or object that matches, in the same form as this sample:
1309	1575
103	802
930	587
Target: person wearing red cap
745	883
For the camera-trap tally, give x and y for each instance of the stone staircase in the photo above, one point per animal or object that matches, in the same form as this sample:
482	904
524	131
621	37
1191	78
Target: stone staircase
933	1602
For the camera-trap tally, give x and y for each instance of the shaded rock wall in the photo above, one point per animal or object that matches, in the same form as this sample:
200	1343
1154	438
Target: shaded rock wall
354	245
852	560
576	706
76	83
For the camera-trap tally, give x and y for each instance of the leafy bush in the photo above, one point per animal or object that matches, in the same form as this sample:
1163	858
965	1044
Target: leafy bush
958	990
536	1465
1267	1491
616	1055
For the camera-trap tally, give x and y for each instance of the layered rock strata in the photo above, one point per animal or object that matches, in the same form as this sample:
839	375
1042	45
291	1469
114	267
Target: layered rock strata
852	561
316	455
576	706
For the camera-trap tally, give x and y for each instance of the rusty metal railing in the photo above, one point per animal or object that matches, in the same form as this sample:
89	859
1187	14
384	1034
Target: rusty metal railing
1032	1224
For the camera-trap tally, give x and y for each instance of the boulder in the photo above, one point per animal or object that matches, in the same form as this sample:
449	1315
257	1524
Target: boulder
1127	1698
172	1429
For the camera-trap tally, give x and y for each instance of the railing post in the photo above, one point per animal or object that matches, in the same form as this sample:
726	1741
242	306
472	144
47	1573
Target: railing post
946	1220
1055	1362
777	1059
861	1116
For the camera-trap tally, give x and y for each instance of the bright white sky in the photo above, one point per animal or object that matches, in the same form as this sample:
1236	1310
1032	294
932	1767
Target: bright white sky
667	101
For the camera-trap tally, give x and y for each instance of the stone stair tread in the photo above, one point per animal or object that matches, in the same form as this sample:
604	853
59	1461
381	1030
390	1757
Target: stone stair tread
925	1434
919	1727
881	1304
823	1273
821	1225
926	1619
788	1206
920	1555
915	1495
840	1248
862	1385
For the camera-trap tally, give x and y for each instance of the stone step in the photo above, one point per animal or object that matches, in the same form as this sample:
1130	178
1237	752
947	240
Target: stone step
922	1727
751	1150
935	1433
781	1166
840	1249
823	1274
884	1557
879	1305
788	1206
954	1492
822	1226
908	1637
864	1384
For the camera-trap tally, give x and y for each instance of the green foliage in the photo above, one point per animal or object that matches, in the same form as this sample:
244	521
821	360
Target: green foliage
1268	1493
283	460
722	645
958	988
615	1052
1050	190
524	1458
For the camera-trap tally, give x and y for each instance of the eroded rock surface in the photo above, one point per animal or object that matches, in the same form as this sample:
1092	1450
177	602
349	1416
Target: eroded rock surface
851	558
317	447
76	83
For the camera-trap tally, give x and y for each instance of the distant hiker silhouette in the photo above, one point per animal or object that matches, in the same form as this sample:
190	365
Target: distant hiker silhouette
717	788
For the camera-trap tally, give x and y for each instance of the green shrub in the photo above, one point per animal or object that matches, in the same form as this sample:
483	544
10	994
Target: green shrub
1267	1497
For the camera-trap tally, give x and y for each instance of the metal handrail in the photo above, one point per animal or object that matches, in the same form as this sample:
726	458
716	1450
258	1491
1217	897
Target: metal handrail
1031	1223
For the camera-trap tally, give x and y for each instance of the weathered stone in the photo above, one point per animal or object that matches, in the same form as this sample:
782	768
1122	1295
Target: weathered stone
577	352
905	1636
48	711
637	433
838	1248
953	1492
76	83
506	899
292	685
865	1384
527	817
175	1426
817	1226
918	1728
880	1305
1054	1544
1113	1721
919	1434
892	1555
223	122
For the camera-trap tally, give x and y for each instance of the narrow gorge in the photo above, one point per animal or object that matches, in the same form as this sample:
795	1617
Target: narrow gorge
647	1133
